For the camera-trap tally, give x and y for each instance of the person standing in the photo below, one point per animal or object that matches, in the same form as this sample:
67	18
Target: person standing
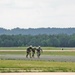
39	50
28	51
33	51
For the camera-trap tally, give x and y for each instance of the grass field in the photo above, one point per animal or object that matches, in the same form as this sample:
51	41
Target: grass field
22	51
13	48
66	53
35	66
44	48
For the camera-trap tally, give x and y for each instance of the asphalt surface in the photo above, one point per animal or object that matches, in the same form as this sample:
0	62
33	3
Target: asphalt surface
62	58
42	57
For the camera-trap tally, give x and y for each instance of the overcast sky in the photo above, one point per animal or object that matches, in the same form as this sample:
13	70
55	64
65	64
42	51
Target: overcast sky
37	13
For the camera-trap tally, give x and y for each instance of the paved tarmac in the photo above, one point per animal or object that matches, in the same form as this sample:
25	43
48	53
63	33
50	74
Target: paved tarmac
59	58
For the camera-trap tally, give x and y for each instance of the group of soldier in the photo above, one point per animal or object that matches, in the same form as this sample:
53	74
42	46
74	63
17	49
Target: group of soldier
31	51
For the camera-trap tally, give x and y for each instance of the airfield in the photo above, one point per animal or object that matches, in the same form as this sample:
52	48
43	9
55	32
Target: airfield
58	58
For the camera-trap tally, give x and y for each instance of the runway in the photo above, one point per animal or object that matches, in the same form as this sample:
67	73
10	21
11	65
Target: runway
59	58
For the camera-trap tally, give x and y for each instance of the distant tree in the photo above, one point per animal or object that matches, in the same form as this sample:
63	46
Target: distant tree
60	40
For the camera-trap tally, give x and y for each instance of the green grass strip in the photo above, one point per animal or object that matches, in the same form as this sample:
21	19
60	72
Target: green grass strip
66	53
43	66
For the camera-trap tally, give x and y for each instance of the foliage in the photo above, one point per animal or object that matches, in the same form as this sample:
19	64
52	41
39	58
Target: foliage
60	40
37	31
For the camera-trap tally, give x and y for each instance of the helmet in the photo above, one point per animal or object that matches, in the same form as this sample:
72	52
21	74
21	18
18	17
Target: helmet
30	46
39	46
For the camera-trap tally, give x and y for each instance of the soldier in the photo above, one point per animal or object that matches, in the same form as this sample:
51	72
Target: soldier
29	49
33	51
39	51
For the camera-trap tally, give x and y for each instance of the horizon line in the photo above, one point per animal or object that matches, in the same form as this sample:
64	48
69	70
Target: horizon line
34	28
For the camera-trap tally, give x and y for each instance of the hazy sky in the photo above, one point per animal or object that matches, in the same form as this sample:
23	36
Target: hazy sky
37	13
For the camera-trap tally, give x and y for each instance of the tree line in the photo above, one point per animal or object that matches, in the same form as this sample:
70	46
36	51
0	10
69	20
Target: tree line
60	40
37	31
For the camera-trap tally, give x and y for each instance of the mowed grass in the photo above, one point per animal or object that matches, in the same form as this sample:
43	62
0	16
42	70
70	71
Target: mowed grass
44	48
24	48
13	48
22	51
66	53
35	66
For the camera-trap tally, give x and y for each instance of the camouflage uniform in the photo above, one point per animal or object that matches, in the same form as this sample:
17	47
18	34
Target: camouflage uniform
28	52
39	51
33	52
